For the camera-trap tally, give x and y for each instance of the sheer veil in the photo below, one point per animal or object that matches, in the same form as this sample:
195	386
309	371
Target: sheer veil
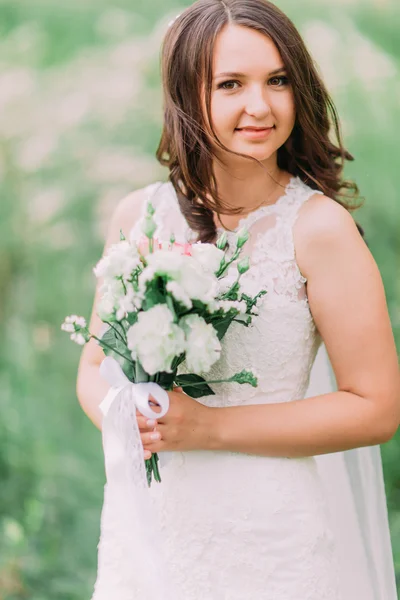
356	496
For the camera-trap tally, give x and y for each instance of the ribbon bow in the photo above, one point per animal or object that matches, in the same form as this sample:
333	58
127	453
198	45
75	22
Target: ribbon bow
112	372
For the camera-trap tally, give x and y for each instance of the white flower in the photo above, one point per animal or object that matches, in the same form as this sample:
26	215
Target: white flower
239	305
203	347
78	338
165	262
131	302
179	294
73	323
208	255
186	271
155	340
111	292
120	261
198	284
105	308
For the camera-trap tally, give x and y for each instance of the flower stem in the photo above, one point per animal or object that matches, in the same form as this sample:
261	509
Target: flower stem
110	348
116	331
200	383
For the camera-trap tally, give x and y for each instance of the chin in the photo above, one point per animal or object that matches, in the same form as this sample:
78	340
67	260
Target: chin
260	153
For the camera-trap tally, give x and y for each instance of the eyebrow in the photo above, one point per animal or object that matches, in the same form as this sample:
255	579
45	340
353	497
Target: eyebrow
236	74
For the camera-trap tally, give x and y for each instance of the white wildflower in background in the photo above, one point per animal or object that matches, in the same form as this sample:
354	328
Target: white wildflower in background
203	347
155	340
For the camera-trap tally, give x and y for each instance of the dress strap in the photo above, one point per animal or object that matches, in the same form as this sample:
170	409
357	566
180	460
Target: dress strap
297	194
271	246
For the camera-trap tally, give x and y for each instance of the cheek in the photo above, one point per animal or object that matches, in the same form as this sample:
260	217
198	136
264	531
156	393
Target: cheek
285	110
224	114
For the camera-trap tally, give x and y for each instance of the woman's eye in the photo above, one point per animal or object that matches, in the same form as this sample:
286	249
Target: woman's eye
279	81
225	83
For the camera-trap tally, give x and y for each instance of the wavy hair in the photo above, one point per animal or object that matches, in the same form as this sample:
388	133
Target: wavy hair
314	151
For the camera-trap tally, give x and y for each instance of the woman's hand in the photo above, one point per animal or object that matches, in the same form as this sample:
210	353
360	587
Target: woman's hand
188	425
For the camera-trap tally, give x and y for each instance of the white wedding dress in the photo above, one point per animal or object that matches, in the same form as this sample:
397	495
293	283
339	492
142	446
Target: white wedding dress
233	526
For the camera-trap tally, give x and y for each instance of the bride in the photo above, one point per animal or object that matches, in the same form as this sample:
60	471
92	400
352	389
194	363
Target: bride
276	492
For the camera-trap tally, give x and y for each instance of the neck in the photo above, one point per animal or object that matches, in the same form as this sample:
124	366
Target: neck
248	186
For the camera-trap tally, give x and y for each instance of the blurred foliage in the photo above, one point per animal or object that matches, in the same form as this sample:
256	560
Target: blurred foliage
80	118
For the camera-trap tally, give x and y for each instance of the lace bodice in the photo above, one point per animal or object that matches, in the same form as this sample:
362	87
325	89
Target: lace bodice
281	343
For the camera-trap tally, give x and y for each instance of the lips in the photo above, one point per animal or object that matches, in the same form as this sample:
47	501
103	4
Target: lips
253	128
255	133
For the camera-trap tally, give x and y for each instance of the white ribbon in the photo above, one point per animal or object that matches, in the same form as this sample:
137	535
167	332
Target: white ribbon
131	563
112	372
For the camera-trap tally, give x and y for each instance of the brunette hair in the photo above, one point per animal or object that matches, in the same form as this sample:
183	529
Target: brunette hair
185	148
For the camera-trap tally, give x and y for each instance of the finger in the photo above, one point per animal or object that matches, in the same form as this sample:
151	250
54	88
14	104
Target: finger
147	454
178	389
145	423
150	438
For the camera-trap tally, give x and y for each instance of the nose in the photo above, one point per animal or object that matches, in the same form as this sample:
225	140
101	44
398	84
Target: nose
257	104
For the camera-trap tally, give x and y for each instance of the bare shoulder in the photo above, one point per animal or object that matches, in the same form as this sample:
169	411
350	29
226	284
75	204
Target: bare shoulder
346	298
323	224
127	212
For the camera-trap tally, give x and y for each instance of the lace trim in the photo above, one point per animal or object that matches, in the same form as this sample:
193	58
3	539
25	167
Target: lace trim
270	247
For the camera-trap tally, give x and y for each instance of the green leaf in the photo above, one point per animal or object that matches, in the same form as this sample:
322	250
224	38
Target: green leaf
131	318
245	377
109	337
232	293
155	293
165	380
223	325
185	380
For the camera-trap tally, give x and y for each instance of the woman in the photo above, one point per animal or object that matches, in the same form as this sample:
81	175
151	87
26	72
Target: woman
244	509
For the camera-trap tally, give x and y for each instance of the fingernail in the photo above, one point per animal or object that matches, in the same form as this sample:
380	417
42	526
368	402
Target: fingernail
155	436
151	423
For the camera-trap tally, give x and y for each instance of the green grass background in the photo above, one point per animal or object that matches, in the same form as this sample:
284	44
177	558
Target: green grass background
80	118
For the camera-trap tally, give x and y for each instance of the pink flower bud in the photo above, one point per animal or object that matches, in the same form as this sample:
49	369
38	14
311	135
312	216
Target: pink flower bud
143	245
182	248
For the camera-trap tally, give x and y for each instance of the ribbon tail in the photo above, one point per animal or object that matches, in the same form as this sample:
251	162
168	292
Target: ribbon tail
131	563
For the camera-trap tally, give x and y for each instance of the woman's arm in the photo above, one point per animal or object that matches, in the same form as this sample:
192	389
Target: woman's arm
91	387
347	301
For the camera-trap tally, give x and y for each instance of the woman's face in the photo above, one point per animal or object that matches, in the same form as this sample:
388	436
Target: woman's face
250	90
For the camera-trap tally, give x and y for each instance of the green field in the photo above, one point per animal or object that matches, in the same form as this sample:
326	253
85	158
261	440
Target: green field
80	119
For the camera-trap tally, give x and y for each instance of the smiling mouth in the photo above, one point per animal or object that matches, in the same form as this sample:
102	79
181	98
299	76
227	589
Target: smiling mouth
255	133
254	128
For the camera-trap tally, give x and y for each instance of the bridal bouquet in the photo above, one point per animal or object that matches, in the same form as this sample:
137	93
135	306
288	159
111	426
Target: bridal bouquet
163	303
